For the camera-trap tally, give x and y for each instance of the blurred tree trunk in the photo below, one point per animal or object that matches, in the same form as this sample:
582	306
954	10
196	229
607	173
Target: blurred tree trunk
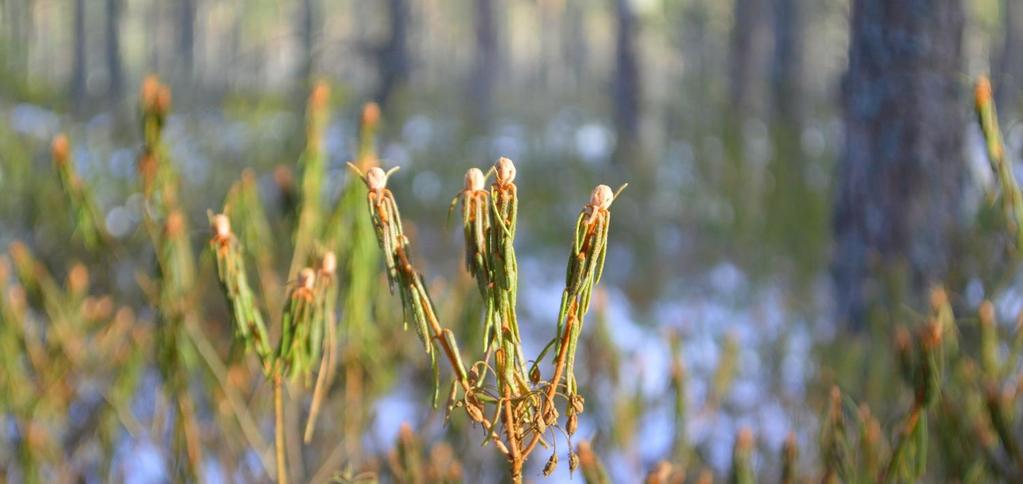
485	65
18	15
78	60
1008	67
794	212
787	65
626	84
154	13
392	56
901	172
115	70
310	30
575	50
749	29
186	38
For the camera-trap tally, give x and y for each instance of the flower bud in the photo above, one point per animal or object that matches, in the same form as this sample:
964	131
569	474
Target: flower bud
60	149
376	179
370	113
602	197
505	170
150	90
319	97
328	265
221	226
578	403
163	101
552	464
307	278
573	424
474	180
78	279
982	91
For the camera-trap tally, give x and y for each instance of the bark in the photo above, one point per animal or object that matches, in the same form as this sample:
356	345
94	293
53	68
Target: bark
626	83
78	59
1008	66
18	33
575	51
392	56
486	63
786	68
792	208
749	29
310	29
901	172
115	69
186	38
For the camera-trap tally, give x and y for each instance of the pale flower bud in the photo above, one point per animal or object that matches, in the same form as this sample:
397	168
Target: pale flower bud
221	226
329	263
602	197
474	180
307	278
505	171
376	179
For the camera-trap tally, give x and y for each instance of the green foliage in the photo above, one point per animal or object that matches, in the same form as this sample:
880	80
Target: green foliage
952	407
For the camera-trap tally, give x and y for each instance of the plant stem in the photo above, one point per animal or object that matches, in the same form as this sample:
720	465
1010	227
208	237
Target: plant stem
282	471
552	388
513	441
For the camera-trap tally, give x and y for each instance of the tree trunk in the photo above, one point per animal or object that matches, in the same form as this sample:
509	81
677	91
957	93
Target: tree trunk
186	38
310	29
485	65
786	68
901	172
749	29
18	34
626	83
78	66
792	208
575	51
1008	67
392	57
115	70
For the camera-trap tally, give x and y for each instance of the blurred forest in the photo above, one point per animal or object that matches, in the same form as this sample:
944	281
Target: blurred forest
802	174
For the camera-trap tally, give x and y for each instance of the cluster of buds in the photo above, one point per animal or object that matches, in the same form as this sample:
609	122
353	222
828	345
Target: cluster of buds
89	222
305	333
585	267
1012	197
156	97
156	173
155	104
249	325
302	314
417	306
523	403
489	225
